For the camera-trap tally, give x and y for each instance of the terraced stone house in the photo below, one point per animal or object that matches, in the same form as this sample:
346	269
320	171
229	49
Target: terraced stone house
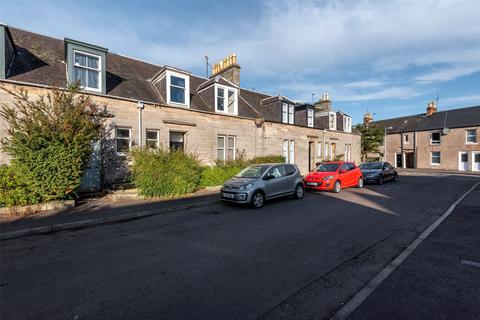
165	106
435	139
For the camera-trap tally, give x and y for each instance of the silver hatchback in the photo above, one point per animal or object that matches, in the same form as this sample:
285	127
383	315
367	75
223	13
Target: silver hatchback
260	182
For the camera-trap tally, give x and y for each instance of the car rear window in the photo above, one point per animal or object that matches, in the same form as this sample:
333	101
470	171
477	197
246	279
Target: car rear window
328	167
371	165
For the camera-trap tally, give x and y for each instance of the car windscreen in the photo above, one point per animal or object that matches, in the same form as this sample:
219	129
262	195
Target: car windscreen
371	166
252	172
328	167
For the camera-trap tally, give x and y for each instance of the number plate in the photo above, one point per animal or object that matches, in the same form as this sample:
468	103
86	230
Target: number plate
312	184
228	195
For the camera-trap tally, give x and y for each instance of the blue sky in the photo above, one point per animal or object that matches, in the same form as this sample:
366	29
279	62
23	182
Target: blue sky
390	57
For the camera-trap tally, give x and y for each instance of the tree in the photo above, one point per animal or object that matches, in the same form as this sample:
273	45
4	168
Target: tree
50	140
372	138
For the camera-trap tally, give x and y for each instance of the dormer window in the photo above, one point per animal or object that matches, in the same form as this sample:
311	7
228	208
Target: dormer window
86	64
347	124
178	88
226	99
332	121
310	117
86	70
287	113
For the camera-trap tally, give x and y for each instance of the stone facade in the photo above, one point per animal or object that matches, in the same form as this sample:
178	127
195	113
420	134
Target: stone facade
416	150
201	130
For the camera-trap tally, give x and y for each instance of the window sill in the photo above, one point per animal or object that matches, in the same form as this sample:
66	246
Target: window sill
178	104
435	144
434	164
471	143
227	113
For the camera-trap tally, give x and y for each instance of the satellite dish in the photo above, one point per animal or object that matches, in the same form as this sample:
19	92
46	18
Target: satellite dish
446	131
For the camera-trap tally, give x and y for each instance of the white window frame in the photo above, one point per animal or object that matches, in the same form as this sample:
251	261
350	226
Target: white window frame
225	147
289	151
439	158
475	135
284	113
120	153
291	114
99	70
169	74
310	118
405	138
319	149
348	152
225	99
439	140
156	140
347	124
334	127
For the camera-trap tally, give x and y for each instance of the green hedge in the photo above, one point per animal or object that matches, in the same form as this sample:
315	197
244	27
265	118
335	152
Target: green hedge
14	190
221	172
160	173
50	141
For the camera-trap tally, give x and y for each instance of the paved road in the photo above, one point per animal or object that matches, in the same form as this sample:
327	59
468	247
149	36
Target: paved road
290	260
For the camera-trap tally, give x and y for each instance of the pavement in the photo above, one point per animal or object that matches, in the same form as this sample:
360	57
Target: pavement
441	279
292	259
91	211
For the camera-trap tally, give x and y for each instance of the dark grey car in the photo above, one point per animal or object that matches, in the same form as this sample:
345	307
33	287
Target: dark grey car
261	182
378	172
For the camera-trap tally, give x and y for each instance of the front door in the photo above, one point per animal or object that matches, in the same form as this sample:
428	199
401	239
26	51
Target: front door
463	161
399	160
476	161
409	160
92	177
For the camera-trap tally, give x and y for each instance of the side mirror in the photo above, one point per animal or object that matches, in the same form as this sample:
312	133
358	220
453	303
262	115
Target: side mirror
269	177
343	171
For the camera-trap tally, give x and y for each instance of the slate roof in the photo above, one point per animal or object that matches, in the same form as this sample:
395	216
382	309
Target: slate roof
41	60
454	118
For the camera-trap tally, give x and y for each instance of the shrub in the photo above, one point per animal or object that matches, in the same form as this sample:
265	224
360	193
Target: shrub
163	173
221	172
268	159
50	141
218	174
13	190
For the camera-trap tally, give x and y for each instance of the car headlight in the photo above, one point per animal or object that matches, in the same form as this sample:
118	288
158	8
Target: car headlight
328	177
246	186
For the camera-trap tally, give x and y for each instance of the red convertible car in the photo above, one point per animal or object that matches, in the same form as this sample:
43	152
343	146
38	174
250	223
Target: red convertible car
334	176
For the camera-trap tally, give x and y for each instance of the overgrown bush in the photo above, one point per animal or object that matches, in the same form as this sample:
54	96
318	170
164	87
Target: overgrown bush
221	172
50	141
218	174
163	173
13	189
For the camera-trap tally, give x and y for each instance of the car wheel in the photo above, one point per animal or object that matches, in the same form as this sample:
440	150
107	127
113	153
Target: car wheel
336	187
380	180
360	183
395	177
258	199
299	191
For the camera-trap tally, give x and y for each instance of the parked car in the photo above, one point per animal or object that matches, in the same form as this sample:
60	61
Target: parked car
261	182
378	172
334	176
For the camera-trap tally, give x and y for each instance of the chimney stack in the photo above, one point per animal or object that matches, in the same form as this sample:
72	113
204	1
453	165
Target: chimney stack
431	108
227	68
367	118
324	104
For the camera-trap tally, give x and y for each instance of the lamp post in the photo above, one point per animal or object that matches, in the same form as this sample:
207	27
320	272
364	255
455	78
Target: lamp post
385	142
